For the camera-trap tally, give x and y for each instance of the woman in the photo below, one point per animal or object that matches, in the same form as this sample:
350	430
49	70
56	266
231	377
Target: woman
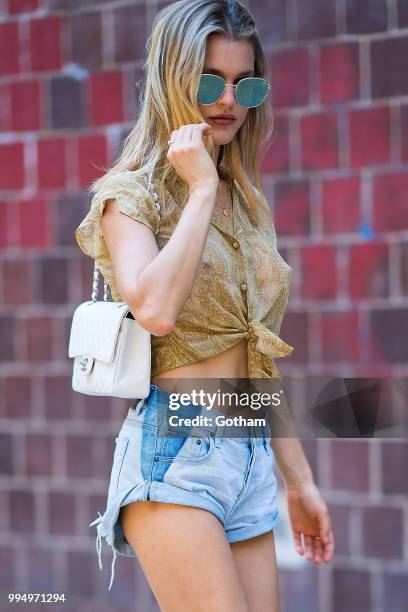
203	275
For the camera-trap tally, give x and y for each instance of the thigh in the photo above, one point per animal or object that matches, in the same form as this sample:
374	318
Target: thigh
185	556
255	560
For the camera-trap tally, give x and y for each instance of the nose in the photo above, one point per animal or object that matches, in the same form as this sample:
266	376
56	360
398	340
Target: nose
228	97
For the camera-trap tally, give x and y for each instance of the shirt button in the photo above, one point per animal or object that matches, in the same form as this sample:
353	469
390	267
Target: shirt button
243	286
235	244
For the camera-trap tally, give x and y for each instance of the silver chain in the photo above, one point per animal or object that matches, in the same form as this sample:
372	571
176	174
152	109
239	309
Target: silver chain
95	283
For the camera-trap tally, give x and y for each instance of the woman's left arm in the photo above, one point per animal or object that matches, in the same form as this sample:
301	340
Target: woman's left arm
307	510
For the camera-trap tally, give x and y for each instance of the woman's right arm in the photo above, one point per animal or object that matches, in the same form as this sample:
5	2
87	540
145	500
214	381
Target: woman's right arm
155	284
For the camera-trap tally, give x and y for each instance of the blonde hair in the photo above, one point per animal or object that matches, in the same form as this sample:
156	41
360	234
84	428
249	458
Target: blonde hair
176	51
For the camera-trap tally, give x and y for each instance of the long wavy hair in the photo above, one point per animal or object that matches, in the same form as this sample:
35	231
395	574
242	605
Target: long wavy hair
176	51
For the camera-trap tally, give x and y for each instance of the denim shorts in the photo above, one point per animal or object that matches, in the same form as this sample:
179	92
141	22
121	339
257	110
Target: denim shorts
232	477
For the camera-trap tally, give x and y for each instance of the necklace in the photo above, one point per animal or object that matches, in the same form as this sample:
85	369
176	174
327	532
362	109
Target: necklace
227	213
225	210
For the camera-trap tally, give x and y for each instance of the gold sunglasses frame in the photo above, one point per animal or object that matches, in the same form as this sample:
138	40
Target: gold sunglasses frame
235	87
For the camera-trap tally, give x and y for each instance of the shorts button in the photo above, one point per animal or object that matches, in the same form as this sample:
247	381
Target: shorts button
198	441
156	459
212	434
243	286
235	244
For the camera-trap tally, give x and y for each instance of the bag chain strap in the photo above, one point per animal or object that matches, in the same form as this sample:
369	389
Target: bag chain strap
95	283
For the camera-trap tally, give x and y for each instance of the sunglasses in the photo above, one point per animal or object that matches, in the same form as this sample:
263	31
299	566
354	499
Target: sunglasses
249	92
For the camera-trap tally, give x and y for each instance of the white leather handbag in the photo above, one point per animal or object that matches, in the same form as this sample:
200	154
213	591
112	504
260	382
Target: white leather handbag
111	350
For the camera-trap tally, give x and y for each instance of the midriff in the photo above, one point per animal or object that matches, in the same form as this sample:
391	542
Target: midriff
232	363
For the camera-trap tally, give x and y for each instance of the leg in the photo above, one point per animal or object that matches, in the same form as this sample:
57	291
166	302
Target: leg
255	560
185	556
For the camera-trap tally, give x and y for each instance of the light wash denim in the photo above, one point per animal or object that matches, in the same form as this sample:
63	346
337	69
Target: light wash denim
232	477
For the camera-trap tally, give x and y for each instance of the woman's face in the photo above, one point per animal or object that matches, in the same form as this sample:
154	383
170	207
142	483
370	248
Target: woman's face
232	60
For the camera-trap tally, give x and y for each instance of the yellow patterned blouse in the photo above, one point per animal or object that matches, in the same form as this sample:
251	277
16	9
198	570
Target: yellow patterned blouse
241	288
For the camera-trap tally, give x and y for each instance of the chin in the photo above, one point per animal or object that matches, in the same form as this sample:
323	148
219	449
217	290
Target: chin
222	139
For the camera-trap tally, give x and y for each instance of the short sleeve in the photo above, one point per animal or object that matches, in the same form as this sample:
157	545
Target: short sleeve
133	199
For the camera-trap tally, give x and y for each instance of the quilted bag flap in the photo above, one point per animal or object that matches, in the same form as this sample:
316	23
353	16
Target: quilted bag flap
95	328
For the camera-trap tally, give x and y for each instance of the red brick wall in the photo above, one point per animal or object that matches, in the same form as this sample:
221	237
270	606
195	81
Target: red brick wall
336	178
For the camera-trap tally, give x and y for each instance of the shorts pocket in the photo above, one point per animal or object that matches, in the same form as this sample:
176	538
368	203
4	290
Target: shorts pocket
146	419
121	443
179	448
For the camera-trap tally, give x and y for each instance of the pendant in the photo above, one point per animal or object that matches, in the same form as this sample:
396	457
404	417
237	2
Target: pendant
225	212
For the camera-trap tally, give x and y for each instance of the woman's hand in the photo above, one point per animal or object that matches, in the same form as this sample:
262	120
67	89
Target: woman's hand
309	516
190	158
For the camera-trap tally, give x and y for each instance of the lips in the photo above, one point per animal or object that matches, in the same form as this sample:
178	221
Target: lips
222	120
229	117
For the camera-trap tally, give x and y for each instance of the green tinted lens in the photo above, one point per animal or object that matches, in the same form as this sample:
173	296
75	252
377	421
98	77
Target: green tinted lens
252	91
210	89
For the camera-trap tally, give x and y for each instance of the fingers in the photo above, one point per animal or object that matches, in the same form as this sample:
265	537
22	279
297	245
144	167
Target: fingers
190	133
328	547
185	134
324	524
316	550
326	535
174	136
318	547
298	543
309	546
198	132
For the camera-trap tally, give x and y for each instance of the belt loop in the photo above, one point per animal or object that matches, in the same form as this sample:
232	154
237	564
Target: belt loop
139	405
218	435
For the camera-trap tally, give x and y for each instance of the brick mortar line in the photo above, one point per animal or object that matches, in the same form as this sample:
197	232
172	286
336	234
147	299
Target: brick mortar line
335	107
66	543
339	305
21	569
108	35
394	271
68	427
376	590
392	15
46	11
405	532
395	133
375	564
339	370
354	535
314	331
291	21
52	542
341	20
374	467
23	311
294	145
342	261
342	240
315	212
314	55
275	47
84	486
365	499
335	172
347	37
343	145
364	69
